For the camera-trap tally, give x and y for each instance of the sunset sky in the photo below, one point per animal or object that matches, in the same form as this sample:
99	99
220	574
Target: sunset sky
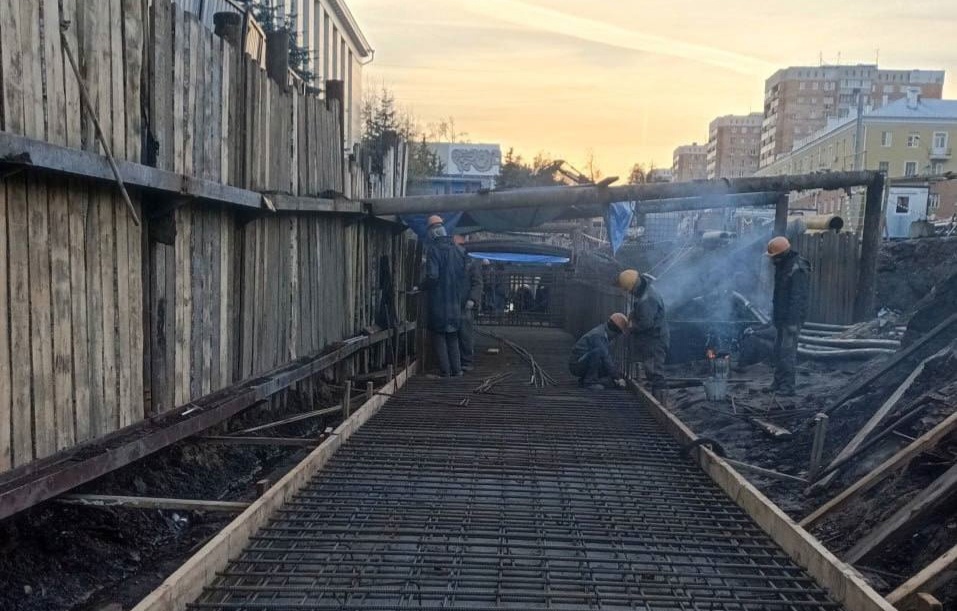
627	79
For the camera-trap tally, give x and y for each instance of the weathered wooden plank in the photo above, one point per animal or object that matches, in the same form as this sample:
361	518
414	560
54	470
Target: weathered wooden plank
930	579
190	69
94	290
259	304
53	74
78	211
223	330
101	75
210	295
63	395
138	328
106	225
161	320
41	319
214	121
226	141
21	374
161	81
198	282
30	56
126	412
132	73
292	298
199	69
180	87
141	502
900	522
184	301
249	122
71	93
247	271
187	582
11	67
6	415
116	134
923	443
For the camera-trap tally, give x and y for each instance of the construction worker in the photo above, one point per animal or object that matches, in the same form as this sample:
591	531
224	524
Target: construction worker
473	297
445	282
591	360
648	330
791	283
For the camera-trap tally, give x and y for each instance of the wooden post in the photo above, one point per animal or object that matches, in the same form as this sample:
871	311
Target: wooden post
391	373
347	400
781	215
277	57
370	390
229	27
817	447
870	246
262	486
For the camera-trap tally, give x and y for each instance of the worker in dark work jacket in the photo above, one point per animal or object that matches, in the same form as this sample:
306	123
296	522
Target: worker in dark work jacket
445	282
591	360
650	337
791	285
473	297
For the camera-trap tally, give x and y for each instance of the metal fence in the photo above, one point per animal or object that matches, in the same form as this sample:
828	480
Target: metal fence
522	295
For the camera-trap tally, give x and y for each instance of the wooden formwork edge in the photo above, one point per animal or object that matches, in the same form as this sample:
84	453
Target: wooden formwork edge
186	584
838	578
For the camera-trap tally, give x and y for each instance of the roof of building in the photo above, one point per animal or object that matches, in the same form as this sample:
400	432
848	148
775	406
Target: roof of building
925	109
352	28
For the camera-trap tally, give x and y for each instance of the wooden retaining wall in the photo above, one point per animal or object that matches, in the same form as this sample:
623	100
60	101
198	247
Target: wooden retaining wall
103	322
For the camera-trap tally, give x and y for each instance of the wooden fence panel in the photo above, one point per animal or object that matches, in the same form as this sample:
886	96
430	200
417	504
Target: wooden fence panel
834	268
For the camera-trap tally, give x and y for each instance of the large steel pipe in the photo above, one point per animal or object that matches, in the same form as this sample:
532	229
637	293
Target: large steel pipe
603	195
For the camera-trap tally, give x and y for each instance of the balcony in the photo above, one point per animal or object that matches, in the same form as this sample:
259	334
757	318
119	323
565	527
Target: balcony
940	152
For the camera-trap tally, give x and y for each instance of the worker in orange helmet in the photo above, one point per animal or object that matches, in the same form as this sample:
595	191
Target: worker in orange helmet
445	282
791	286
649	335
591	360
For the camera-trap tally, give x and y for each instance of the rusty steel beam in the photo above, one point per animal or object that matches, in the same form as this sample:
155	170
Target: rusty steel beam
31	484
592	195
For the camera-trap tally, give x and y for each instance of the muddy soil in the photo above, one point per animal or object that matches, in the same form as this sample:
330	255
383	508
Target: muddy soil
817	386
57	557
908	269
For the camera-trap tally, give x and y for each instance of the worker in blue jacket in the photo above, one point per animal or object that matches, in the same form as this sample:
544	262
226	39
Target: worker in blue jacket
445	282
591	360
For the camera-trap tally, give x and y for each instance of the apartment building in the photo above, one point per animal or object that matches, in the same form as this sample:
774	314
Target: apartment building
690	162
799	100
733	145
908	139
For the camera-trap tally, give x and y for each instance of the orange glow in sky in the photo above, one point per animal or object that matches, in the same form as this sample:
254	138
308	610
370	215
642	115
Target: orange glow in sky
628	80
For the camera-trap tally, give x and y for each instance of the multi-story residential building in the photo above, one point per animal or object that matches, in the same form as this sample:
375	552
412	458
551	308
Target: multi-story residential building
911	137
660	175
690	162
798	101
733	143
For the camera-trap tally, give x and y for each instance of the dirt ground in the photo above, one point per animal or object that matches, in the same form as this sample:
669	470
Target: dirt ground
57	557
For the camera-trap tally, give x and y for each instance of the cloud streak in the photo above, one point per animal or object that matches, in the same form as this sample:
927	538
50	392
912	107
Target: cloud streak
531	17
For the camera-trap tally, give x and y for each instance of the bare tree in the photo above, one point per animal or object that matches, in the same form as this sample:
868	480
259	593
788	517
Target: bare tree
592	170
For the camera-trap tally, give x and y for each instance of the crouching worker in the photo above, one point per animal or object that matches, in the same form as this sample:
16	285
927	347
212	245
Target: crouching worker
591	360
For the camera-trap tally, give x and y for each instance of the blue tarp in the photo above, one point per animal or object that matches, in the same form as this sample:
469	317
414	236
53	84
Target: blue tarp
418	223
618	219
514	257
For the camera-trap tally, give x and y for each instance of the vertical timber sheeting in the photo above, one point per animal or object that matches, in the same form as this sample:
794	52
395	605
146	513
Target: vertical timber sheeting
6	413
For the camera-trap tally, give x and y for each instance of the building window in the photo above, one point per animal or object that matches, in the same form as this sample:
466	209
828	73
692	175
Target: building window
937	167
884	167
940	140
814	86
903	204
887	139
910	168
913	140
801	85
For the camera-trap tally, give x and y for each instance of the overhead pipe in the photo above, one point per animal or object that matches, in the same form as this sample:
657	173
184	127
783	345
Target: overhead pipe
590	195
799	224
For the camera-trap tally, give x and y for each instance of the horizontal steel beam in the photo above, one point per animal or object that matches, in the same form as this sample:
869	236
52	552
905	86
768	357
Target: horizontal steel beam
44	479
585	196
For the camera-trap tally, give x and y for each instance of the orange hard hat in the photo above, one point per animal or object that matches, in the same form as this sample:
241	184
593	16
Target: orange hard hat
435	219
619	320
628	279
458	239
778	246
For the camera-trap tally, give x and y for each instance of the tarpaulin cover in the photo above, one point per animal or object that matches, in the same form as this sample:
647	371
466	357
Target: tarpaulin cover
618	219
419	223
514	257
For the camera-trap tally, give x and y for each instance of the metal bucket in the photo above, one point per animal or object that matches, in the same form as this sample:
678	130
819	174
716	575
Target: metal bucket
716	389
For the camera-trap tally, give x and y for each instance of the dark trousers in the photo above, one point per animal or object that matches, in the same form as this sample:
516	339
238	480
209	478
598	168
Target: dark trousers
652	354
446	347
467	338
590	368
785	357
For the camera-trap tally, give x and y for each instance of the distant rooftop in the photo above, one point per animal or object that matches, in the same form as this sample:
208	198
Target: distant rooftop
927	108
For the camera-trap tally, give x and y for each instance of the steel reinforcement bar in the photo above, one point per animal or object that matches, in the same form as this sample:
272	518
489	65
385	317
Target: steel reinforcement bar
516	498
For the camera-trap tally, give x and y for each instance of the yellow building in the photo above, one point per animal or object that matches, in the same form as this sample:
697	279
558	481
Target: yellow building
911	137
